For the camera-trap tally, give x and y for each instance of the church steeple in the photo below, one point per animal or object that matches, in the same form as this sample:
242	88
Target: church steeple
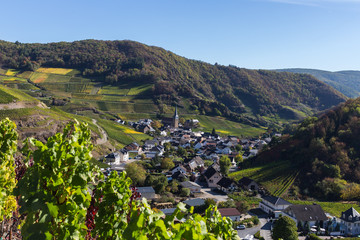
176	118
176	115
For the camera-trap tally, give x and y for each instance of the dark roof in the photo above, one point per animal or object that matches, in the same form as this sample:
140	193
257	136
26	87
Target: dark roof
225	182
168	211
276	200
227	212
145	190
210	172
355	216
245	181
306	212
112	155
195	202
178	175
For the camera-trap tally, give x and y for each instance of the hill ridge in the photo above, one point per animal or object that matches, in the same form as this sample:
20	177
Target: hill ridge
256	97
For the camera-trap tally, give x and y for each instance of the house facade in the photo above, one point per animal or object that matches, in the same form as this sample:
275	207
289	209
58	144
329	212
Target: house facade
306	216
124	155
248	184
350	221
231	213
273	205
227	185
212	177
113	158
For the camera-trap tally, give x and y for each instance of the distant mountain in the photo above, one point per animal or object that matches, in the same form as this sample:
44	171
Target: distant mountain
346	82
256	97
326	151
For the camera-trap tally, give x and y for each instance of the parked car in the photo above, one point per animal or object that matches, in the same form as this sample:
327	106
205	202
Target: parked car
241	227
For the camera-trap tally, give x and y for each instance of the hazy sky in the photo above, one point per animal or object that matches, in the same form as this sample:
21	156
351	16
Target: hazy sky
266	34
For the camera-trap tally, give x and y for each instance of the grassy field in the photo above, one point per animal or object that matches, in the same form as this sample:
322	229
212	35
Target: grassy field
334	208
121	133
62	71
276	177
224	127
6	97
16	94
11	72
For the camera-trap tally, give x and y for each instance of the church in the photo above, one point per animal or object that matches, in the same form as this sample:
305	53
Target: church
172	122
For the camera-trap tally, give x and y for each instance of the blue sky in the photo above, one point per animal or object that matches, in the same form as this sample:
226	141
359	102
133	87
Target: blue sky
256	34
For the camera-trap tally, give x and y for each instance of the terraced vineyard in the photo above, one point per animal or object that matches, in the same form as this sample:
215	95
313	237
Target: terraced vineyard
130	100
276	177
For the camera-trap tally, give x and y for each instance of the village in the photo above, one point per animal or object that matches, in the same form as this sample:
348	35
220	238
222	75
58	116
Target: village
192	167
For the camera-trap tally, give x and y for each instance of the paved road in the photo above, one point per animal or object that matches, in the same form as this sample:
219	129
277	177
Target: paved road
253	230
208	193
265	231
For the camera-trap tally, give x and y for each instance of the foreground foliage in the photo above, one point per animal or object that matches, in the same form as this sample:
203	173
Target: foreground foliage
8	142
61	197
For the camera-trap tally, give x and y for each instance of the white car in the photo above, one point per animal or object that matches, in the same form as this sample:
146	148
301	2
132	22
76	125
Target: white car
241	227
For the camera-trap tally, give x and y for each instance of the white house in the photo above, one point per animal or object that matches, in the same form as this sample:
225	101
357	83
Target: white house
350	221
179	168
227	185
273	205
212	177
124	155
113	158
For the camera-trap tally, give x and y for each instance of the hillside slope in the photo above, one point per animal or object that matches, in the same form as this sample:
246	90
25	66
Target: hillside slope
326	151
254	97
346	82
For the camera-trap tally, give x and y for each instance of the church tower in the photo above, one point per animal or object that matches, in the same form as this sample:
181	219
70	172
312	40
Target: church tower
176	119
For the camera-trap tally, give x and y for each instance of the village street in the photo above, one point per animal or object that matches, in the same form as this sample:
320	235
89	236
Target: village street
208	193
263	227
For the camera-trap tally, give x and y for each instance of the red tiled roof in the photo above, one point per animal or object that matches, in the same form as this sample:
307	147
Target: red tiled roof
227	212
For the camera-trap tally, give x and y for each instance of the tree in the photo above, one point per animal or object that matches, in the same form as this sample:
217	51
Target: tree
238	147
167	163
182	152
284	228
225	164
156	124
242	206
182	120
136	173
239	159
185	192
158	182
213	132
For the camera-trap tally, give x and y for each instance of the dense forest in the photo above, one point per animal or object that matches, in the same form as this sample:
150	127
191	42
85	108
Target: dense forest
327	151
236	93
346	82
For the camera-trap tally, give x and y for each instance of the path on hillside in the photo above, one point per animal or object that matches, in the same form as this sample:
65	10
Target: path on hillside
104	136
21	104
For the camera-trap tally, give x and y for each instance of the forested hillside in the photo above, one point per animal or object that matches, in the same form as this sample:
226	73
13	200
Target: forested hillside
326	151
346	82
256	97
